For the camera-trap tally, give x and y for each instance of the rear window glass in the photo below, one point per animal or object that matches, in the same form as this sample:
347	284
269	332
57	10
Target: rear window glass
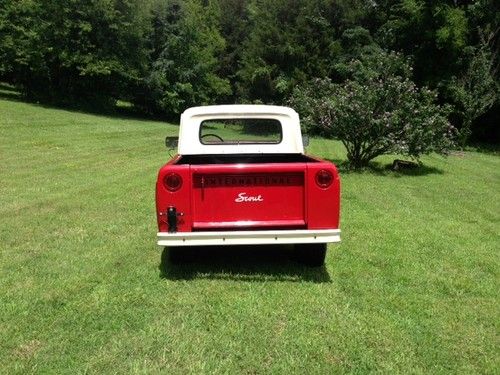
240	131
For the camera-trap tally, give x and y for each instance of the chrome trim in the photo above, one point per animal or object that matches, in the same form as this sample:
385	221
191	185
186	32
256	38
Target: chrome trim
262	237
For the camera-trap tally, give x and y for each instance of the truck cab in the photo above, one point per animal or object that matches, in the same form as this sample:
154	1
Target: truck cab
240	176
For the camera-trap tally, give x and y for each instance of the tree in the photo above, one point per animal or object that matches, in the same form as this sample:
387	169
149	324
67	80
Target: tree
234	28
22	51
432	33
291	41
184	68
376	112
476	90
73	50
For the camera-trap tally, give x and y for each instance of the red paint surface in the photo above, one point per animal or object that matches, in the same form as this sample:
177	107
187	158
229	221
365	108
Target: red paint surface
251	196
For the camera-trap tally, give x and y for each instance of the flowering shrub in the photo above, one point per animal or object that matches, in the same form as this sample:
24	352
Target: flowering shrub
375	115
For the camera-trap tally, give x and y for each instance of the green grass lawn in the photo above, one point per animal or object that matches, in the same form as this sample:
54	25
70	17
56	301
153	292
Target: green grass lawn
413	287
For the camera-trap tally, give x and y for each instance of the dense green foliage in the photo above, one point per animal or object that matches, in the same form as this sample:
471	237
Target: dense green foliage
412	288
184	67
68	50
166	55
476	90
376	110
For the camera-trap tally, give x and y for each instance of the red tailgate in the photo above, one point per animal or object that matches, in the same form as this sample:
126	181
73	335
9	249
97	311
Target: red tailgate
256	196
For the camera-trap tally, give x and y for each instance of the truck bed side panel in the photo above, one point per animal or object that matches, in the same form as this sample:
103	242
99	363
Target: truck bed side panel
322	204
179	199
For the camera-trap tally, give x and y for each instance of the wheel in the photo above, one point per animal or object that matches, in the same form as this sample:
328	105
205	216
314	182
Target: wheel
312	255
182	254
164	261
175	255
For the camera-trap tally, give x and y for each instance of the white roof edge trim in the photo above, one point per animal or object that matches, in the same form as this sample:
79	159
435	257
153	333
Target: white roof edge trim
189	142
238	109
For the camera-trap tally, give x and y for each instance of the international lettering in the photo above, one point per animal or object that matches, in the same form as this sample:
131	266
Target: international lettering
290	179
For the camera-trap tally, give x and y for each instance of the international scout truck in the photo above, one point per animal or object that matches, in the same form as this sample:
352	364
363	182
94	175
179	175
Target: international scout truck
241	177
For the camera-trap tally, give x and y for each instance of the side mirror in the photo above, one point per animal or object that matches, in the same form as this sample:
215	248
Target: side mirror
305	140
171	142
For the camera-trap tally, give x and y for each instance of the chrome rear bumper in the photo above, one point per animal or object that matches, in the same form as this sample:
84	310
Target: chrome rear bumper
261	237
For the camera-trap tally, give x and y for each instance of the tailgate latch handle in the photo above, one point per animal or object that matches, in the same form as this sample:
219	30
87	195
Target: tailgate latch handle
172	216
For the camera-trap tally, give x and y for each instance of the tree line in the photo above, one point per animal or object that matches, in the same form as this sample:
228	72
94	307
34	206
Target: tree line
166	55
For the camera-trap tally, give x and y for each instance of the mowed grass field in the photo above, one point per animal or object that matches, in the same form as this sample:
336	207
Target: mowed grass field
412	288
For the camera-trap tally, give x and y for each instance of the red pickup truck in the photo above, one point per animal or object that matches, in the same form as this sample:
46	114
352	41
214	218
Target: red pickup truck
241	177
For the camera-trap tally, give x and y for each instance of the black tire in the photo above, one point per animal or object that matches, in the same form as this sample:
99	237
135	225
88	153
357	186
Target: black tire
175	255
164	260
312	255
182	254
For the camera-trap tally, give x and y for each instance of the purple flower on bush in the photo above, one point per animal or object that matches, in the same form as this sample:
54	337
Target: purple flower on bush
376	114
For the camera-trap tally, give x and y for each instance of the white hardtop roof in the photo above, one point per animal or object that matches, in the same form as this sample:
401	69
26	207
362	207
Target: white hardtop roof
239	109
189	132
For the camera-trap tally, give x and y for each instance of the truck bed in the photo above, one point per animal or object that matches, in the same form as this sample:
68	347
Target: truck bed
248	192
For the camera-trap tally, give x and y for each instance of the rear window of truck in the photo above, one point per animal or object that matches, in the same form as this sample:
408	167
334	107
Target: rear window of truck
240	131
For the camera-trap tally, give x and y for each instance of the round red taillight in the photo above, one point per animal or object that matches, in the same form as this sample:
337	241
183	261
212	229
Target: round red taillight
324	178
172	181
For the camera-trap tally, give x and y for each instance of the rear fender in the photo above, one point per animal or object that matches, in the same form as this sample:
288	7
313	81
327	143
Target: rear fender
323	204
180	199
